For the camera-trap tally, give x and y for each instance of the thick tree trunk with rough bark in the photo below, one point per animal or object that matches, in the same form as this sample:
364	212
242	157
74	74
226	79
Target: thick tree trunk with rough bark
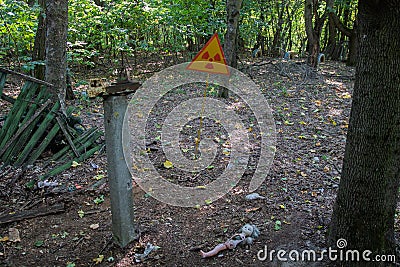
366	202
231	36
39	49
56	44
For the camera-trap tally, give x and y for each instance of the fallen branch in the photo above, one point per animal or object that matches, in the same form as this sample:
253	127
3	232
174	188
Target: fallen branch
29	214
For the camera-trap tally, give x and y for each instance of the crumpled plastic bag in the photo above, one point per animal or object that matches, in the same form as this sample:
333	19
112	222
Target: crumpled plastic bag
140	257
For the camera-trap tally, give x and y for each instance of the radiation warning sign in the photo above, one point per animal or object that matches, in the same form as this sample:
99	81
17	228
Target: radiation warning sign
208	56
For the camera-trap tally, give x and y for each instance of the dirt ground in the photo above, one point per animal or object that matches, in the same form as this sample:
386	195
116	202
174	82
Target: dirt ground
311	111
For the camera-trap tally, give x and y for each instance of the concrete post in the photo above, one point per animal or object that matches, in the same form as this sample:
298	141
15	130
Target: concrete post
119	177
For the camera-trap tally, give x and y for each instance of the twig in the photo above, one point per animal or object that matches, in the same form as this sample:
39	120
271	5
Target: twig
23	215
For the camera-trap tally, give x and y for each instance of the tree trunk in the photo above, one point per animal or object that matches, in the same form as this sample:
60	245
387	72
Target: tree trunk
331	48
353	47
366	202
351	34
276	47
313	31
39	49
230	40
56	42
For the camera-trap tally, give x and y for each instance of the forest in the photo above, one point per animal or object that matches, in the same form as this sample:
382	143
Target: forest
300	133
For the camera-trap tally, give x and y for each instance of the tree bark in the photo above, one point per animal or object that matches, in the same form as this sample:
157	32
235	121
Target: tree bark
39	49
276	47
351	34
366	201
56	44
313	31
232	25
231	37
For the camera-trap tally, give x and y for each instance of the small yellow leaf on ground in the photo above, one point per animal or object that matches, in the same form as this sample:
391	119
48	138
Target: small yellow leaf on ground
99	259
252	209
75	164
98	176
282	206
81	213
327	169
168	164
345	95
4	239
318	103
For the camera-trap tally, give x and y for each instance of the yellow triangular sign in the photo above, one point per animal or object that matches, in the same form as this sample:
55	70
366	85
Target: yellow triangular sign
210	54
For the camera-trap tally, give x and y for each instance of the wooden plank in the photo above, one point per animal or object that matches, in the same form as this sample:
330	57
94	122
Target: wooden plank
17	111
26	77
7	98
37	135
67	136
84	145
123	88
67	165
16	147
78	141
46	141
24	126
29	214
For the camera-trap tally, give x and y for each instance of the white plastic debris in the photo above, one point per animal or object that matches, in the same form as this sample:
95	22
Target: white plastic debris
254	196
46	183
140	257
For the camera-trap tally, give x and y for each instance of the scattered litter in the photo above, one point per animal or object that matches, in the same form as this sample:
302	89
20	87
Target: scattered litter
94	226
149	248
46	183
254	196
94	165
245	237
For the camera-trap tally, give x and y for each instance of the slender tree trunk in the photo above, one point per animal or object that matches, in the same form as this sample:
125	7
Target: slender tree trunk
230	40
231	36
353	47
277	41
313	31
366	202
351	34
56	44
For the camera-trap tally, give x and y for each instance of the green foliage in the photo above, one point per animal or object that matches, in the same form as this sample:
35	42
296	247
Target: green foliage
17	29
120	29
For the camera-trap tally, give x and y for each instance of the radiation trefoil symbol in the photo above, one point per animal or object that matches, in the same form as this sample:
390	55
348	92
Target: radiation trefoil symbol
206	56
210	59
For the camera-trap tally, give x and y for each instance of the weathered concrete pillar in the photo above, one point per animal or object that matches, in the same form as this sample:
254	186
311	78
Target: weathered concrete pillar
119	177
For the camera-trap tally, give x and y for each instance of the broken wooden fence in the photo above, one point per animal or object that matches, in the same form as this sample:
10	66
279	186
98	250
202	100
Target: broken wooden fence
32	124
